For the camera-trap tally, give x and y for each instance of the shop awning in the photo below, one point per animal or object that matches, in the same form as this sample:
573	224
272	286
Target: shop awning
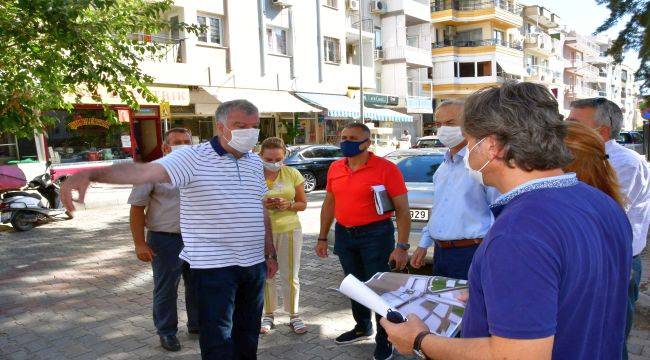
267	101
511	67
341	106
177	96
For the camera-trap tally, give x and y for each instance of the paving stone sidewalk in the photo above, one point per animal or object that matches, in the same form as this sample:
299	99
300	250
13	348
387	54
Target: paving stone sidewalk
74	290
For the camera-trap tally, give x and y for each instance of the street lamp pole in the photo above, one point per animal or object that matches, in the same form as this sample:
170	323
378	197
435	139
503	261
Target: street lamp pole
361	101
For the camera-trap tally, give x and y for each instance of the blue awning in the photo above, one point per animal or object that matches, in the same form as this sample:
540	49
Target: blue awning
341	106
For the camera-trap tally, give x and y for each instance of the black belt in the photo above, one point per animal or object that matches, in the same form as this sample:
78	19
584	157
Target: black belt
165	233
360	230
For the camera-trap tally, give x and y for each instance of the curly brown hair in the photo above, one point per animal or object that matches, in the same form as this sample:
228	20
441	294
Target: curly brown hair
273	143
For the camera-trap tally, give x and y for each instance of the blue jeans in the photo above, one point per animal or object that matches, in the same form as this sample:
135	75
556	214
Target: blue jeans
230	308
167	271
632	297
363	254
453	262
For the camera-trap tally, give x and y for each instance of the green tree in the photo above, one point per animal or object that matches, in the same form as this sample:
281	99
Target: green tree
634	36
53	51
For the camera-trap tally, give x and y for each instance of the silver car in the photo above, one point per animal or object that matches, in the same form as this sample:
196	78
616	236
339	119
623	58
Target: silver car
417	167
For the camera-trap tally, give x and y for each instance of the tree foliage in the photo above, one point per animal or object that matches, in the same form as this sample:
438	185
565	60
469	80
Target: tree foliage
53	51
634	36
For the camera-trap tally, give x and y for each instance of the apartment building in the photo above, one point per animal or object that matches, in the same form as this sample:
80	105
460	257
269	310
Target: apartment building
476	43
543	59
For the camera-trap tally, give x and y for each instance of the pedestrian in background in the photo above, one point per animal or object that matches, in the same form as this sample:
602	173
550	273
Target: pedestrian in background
633	173
285	197
226	229
460	215
156	207
590	160
549	279
364	240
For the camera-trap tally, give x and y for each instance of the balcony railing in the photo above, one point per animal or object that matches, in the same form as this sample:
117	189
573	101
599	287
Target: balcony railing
353	22
465	5
475	43
169	52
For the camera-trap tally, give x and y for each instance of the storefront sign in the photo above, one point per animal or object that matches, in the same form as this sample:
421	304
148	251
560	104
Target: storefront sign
380	99
88	122
175	96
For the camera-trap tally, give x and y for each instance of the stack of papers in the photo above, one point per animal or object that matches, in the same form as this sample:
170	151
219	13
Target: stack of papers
383	203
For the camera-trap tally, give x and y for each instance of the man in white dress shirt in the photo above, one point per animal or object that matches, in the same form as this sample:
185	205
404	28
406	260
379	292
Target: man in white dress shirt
633	174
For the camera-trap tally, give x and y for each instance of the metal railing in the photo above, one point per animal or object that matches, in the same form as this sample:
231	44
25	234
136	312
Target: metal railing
170	52
475	43
465	5
353	22
379	54
420	89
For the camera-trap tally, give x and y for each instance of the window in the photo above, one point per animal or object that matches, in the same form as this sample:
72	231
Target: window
419	168
276	40
466	69
213	33
470	36
332	50
497	35
377	38
332	3
484	68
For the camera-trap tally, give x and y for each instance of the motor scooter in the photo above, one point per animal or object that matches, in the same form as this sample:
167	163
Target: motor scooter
38	202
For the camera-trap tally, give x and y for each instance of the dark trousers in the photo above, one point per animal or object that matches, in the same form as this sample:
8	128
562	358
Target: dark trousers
230	308
167	271
363	254
453	262
632	297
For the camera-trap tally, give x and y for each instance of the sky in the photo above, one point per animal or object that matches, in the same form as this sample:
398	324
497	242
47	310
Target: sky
585	16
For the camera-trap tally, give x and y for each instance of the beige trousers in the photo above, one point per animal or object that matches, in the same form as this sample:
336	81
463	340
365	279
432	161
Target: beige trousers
288	246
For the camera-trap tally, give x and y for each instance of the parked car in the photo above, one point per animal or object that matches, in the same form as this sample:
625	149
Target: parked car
313	161
417	167
428	142
631	140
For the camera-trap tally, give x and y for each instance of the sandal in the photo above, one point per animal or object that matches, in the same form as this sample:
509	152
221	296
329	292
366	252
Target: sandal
267	324
298	325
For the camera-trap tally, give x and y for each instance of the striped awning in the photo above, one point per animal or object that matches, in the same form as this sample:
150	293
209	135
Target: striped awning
341	106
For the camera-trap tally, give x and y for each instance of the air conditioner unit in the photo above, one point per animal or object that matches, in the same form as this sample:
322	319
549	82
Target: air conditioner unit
353	5
377	7
281	3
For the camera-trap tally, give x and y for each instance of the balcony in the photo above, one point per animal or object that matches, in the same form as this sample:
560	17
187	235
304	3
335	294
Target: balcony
539	43
504	13
170	51
491	45
542	16
581	67
413	56
420	97
352	26
583	44
581	92
538	73
416	11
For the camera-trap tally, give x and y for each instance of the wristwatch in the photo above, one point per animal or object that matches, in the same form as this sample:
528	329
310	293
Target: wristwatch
403	246
417	345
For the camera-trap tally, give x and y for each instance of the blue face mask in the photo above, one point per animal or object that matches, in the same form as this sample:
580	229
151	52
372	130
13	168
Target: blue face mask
351	148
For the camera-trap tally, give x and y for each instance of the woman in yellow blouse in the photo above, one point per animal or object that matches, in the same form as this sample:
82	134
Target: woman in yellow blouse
285	197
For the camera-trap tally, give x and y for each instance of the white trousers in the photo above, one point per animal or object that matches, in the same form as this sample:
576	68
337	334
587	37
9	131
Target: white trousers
288	246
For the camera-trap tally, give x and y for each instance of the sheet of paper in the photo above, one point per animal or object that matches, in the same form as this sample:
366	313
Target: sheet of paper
359	292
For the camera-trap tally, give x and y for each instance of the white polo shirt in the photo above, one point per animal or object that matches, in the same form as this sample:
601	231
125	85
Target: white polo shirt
634	178
221	215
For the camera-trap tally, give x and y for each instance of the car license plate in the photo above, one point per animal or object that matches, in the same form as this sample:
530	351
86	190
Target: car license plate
419	214
5	217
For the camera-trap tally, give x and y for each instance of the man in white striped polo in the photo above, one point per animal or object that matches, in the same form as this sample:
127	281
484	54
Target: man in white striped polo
226	231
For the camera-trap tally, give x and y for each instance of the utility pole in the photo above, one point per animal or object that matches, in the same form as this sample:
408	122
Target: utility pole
361	101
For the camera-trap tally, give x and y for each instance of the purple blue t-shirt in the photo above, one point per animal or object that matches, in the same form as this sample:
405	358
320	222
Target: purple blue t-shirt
556	262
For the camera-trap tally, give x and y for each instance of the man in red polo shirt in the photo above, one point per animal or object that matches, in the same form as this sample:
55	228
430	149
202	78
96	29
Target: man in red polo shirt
365	241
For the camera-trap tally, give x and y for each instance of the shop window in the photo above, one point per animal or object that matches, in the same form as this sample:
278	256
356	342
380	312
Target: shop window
213	33
276	40
8	148
466	69
87	135
201	127
484	68
332	50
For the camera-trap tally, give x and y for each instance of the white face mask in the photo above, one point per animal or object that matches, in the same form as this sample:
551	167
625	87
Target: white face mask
273	166
450	136
178	147
475	174
243	140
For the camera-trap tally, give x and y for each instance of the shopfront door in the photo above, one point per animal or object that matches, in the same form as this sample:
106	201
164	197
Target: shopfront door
148	139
